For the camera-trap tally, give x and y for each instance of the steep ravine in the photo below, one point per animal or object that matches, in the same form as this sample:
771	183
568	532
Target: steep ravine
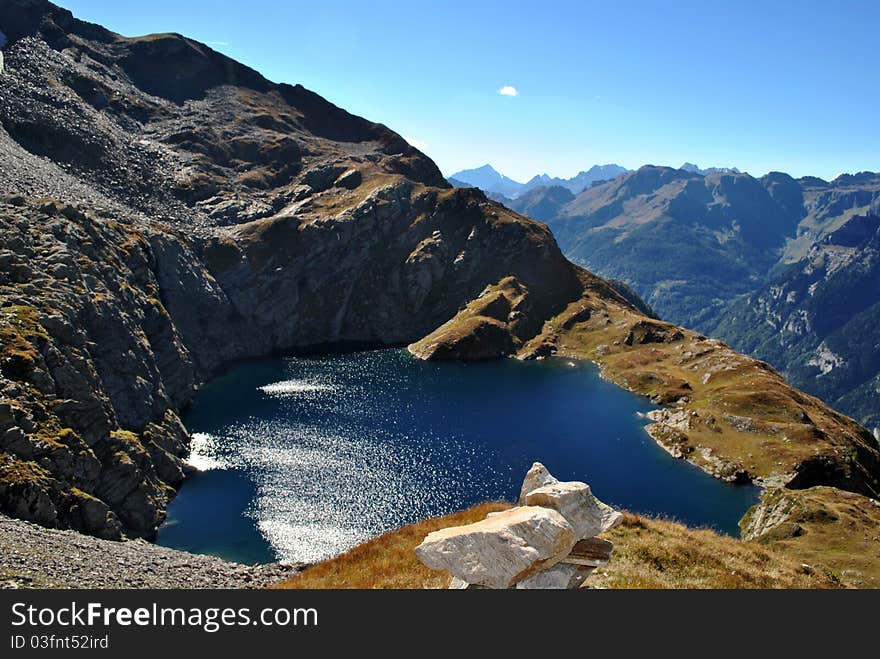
167	210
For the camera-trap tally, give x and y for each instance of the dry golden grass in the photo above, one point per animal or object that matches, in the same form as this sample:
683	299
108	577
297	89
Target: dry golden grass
388	561
651	553
829	529
745	412
648	554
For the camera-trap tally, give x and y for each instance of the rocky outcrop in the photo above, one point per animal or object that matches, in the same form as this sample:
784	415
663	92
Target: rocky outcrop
166	210
548	542
502	549
824	528
498	323
575	502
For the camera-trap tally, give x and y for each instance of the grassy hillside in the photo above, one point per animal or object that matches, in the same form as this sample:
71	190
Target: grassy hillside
836	531
782	269
649	553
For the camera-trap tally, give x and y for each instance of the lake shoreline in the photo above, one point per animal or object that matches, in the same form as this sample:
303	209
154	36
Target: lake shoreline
510	423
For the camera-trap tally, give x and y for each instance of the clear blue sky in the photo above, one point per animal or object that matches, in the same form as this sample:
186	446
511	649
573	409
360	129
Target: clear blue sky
792	86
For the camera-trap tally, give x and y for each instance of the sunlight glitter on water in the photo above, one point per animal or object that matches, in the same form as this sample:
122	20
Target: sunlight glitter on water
205	453
329	467
293	387
319	492
305	457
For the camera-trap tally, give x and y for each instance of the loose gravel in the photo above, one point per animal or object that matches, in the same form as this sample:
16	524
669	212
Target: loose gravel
35	557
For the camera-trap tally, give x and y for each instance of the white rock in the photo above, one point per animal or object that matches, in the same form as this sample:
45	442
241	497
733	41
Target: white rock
575	502
458	584
558	577
610	517
501	550
581	576
536	477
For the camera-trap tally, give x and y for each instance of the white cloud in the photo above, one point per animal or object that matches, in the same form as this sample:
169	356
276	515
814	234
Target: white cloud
508	90
217	43
419	144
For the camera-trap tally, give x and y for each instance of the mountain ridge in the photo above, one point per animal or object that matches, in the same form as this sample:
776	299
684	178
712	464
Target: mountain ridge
155	230
713	251
499	186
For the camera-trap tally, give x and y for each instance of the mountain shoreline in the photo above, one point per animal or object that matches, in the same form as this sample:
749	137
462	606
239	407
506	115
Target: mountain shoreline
157	227
783	269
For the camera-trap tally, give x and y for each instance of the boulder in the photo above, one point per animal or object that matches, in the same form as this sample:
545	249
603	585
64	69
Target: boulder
536	477
349	179
459	584
501	550
559	577
573	500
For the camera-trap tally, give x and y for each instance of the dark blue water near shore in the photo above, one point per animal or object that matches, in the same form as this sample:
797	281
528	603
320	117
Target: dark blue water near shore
305	457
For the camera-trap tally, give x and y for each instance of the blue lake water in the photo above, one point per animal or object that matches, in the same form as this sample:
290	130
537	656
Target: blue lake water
302	458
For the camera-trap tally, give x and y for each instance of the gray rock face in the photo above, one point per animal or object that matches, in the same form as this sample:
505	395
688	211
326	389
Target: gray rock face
164	210
560	576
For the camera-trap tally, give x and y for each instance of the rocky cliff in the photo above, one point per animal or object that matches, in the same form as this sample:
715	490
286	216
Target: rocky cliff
167	210
817	319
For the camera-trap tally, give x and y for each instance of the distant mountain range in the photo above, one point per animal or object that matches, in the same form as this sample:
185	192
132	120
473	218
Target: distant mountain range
495	184
694	169
488	180
784	269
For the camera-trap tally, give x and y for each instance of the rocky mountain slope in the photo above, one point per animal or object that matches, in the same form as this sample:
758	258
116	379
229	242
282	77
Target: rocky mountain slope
818	319
823	527
780	268
686	242
167	210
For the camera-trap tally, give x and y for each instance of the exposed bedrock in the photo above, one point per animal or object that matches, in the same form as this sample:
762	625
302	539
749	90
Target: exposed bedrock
165	210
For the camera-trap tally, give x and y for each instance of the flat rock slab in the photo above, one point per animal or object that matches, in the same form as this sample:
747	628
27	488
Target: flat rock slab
591	552
500	550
